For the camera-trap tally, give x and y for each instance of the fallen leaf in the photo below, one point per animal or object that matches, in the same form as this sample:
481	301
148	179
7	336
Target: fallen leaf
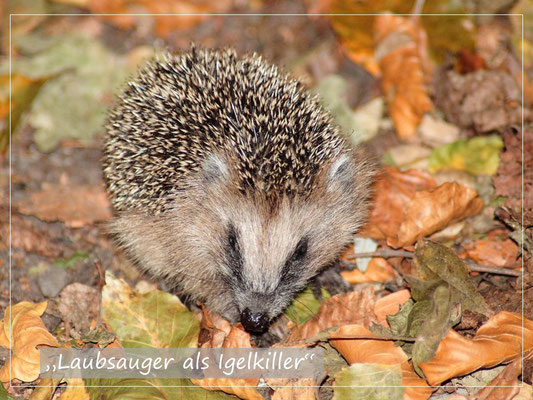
400	51
75	205
497	253
378	270
339	310
394	190
390	305
369	381
221	335
481	100
383	352
28	334
23	92
498	341
505	386
430	211
164	25
436	132
79	305
479	156
304	306
156	319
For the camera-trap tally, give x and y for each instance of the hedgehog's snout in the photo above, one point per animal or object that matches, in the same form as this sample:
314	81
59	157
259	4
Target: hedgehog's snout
255	322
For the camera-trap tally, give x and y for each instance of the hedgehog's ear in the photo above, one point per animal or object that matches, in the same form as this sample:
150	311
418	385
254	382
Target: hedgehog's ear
214	169
341	172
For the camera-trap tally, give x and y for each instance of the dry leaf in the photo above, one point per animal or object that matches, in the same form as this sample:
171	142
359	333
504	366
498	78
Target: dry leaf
498	341
75	205
401	51
380	352
164	25
28	333
237	337
378	270
342	309
293	389
495	253
505	386
430	211
394	190
390	305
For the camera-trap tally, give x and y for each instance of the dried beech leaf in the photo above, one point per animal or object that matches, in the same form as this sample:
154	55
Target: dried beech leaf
237	337
74	205
390	305
505	386
379	352
401	51
28	334
498	341
378	270
394	190
349	308
430	211
496	253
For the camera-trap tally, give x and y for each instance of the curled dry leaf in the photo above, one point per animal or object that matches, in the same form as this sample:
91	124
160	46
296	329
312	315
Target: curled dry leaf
430	211
342	309
28	333
498	341
75	205
394	190
401	50
378	270
380	352
221	335
505	386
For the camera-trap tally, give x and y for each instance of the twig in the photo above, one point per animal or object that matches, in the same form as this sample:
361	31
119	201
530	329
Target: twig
384	254
493	270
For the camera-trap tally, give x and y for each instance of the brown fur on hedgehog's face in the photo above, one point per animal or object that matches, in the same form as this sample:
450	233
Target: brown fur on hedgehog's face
247	256
262	251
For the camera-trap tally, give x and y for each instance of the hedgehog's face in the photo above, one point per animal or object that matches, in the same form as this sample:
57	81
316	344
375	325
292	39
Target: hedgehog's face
266	255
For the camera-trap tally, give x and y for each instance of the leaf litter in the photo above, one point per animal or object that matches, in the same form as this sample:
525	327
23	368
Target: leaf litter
397	330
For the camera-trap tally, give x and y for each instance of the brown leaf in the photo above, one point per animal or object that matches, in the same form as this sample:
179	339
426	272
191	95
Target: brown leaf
378	270
498	341
505	386
390	305
394	190
380	352
401	46
163	25
430	211
28	334
75	205
220	337
342	309
496	253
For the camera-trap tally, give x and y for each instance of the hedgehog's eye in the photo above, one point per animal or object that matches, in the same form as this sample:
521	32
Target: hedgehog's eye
301	250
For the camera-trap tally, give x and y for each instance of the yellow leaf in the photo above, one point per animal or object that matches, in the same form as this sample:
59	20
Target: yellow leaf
28	333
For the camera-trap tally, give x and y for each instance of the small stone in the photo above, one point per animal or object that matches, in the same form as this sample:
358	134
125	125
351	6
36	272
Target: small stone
52	281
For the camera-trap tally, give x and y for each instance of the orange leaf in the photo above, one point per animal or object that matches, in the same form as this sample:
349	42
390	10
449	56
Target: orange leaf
220	337
430	211
378	270
496	253
394	190
74	205
380	352
401	44
390	305
349	308
28	334
498	341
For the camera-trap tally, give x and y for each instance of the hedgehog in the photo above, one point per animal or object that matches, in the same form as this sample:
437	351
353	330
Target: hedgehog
230	182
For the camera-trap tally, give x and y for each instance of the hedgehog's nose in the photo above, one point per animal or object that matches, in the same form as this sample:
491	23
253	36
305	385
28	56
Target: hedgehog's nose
254	322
